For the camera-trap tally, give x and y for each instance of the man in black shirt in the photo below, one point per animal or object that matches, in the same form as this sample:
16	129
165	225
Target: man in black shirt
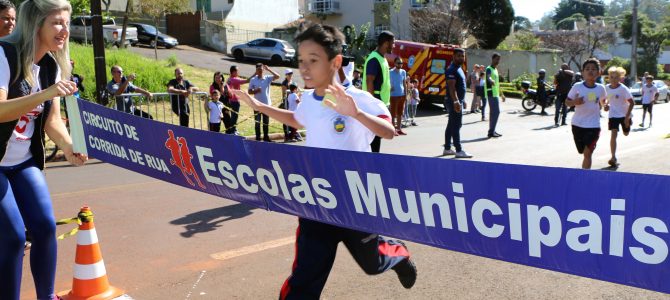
180	90
454	105
563	83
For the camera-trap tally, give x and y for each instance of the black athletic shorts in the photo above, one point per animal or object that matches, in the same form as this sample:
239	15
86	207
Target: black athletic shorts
614	124
647	107
585	137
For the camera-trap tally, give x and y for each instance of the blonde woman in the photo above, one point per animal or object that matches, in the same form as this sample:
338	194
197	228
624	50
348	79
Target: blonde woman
34	67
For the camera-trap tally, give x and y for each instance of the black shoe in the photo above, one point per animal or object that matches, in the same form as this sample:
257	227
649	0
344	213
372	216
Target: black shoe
495	135
258	139
406	271
267	139
563	124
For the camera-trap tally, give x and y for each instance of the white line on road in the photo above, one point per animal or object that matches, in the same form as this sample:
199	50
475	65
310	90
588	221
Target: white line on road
225	255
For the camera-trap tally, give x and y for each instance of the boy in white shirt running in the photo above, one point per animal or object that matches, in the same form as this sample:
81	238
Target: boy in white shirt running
649	96
620	105
586	97
335	118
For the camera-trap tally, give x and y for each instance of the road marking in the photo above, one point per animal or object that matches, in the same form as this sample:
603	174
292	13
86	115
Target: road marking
225	255
114	187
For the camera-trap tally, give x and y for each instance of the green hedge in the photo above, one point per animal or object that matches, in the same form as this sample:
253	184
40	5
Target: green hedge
512	93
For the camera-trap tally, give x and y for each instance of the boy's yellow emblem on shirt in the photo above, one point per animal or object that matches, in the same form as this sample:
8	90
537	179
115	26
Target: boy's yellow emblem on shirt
592	97
339	124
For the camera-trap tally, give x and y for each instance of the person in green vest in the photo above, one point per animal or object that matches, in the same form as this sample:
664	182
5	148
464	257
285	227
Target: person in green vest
377	75
492	94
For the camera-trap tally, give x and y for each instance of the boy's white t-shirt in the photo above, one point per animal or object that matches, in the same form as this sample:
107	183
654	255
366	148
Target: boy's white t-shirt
648	93
18	146
618	100
587	115
414	100
292	101
215	111
328	129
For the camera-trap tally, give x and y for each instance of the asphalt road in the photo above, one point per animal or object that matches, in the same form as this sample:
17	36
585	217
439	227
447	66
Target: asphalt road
212	60
160	241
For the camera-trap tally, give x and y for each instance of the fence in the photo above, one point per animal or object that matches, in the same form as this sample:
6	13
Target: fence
222	37
159	107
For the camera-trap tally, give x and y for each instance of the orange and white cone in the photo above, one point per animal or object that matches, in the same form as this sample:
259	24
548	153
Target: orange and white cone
90	277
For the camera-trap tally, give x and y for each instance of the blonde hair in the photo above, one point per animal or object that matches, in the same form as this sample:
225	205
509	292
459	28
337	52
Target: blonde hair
31	17
617	70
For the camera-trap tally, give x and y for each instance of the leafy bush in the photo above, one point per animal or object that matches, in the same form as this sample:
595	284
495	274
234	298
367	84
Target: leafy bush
151	75
618	62
172	61
524	77
512	93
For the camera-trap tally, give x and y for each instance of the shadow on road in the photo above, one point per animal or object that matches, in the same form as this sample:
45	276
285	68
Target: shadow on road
610	168
481	139
209	220
550	127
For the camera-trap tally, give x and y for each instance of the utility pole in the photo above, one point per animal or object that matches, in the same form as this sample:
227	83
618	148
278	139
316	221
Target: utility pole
633	54
98	52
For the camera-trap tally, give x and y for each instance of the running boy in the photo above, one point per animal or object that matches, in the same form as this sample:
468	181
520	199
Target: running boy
620	105
586	97
362	117
215	109
649	96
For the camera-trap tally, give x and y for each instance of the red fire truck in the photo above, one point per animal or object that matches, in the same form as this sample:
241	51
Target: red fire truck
427	64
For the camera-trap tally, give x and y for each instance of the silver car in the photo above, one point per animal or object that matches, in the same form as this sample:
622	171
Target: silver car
274	50
663	93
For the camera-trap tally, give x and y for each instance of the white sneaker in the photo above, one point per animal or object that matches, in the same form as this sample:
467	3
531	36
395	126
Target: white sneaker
448	152
463	154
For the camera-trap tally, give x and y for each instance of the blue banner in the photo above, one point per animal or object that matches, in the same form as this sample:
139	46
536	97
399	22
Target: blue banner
605	225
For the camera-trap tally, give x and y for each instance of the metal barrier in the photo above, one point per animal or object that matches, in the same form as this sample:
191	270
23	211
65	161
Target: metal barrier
155	107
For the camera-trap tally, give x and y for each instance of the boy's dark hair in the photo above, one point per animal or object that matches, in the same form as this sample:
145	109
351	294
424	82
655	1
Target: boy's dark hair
385	36
233	68
459	50
496	54
328	37
649	77
414	81
4	4
591	61
292	87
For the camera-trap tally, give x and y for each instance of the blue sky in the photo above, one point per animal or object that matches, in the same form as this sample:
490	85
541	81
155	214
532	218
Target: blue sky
535	9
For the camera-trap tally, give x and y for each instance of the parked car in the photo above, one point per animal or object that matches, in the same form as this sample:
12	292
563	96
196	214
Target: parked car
81	30
663	94
146	34
274	50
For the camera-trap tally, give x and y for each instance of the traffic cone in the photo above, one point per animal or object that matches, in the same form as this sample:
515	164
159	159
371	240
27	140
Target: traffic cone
90	277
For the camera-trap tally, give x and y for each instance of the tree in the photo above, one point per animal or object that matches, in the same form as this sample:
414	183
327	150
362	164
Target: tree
356	39
80	6
650	38
546	22
567	8
489	21
571	42
157	9
656	10
522	23
527	40
600	35
438	24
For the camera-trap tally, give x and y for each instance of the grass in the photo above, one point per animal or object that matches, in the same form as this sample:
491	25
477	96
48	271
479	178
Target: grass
153	76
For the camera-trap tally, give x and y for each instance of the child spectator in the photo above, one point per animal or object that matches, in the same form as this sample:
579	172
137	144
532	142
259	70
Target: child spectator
482	96
215	109
292	101
620	105
234	82
649	96
586	97
413	101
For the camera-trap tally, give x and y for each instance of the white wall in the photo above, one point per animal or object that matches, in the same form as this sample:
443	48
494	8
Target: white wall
262	15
